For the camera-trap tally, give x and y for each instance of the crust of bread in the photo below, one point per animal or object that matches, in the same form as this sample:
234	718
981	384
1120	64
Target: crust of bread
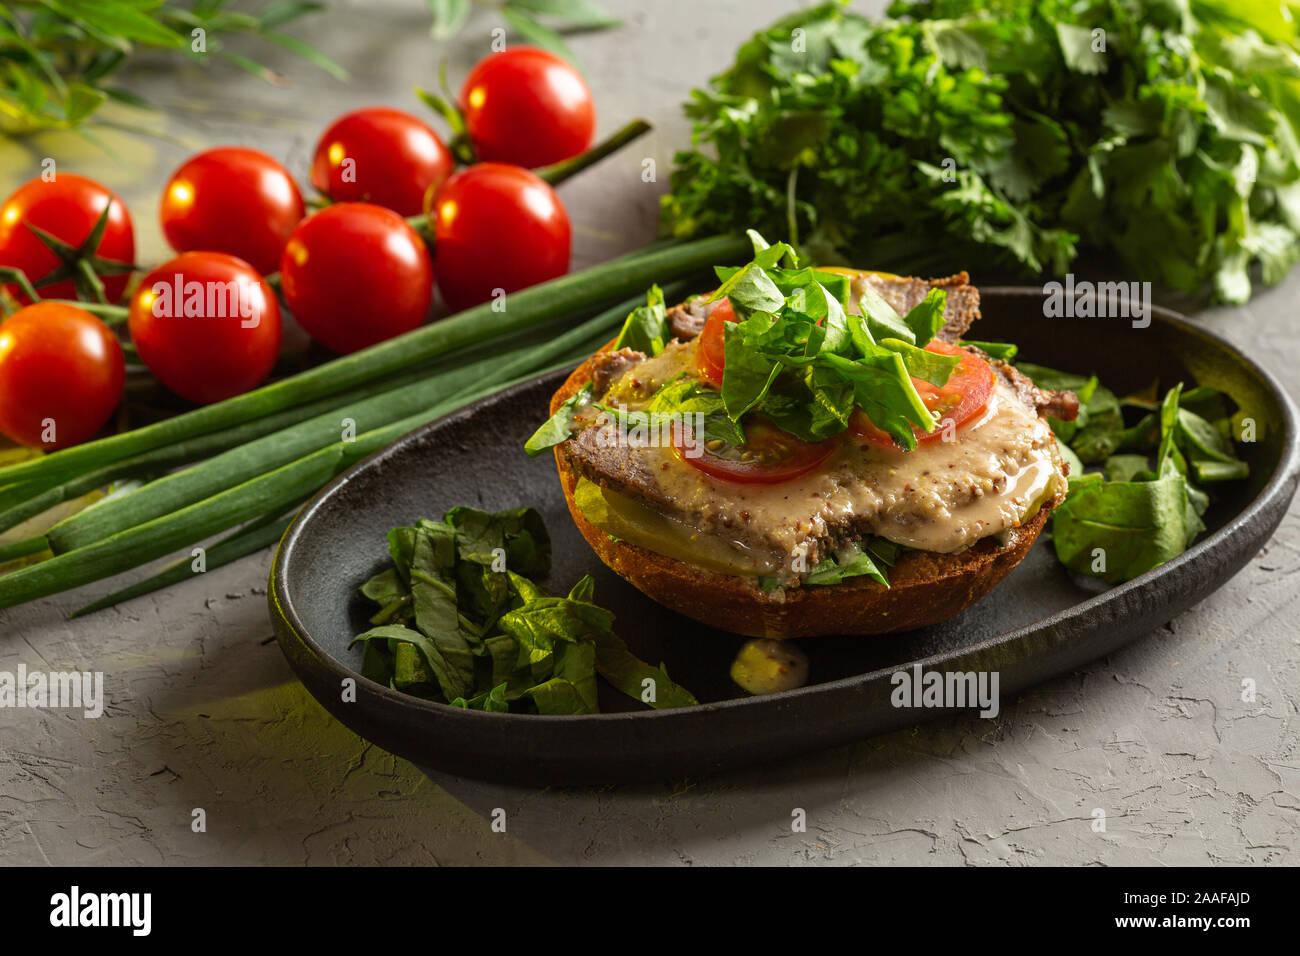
925	587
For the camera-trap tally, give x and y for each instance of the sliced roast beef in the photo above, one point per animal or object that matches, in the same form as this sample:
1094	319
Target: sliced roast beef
687	320
904	294
1061	405
607	366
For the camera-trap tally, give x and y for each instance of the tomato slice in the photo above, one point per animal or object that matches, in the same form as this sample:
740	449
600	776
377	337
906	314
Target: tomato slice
711	354
769	455
964	396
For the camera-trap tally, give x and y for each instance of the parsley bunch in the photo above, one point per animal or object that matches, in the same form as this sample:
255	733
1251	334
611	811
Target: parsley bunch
1161	137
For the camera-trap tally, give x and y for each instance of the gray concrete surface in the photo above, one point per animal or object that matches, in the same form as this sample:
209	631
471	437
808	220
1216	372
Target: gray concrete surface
203	712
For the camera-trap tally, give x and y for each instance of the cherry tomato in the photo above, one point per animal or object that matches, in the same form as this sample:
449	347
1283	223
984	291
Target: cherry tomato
67	207
233	200
769	455
711	353
528	107
207	325
963	397
496	227
354	274
383	156
61	375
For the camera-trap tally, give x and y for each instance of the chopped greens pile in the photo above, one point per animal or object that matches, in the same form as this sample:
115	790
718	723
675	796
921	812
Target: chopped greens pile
964	134
800	358
795	355
1144	507
460	621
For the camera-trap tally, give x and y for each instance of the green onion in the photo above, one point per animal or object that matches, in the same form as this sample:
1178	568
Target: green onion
276	490
35	496
529	308
21	549
239	464
249	539
17	493
154	539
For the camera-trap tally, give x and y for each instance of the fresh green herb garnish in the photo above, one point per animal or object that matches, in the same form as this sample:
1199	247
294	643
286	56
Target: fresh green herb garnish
994	350
985	133
559	427
797	355
872	557
1142	509
459	620
1098	432
646	329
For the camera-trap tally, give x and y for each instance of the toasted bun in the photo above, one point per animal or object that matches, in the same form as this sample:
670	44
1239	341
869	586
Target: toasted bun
925	587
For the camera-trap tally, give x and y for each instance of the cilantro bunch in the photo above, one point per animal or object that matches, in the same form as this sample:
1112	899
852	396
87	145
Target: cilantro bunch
1160	137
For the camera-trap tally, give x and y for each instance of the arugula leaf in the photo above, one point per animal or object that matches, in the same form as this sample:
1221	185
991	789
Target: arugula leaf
882	321
749	374
930	366
391	593
926	319
1099	430
798	357
856	560
685	397
994	350
1101	434
1116	530
1148	510
559	427
629	674
646	328
1127	468
519	532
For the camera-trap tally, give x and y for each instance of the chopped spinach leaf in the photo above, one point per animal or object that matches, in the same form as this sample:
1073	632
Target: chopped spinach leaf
646	329
559	427
460	622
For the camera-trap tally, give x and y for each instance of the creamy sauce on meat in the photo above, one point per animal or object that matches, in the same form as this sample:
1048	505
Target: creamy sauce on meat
634	387
943	496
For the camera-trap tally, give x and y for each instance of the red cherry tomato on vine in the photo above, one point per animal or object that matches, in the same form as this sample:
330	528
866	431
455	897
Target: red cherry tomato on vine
207	325
355	274
61	375
233	200
496	227
67	207
960	399
528	107
383	156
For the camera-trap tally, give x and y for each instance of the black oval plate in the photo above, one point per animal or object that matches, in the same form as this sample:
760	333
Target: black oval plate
1037	624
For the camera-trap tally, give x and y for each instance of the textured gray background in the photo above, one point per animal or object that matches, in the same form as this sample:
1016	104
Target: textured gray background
203	711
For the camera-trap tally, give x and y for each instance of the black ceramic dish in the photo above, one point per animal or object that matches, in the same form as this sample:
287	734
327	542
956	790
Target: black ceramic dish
1037	624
